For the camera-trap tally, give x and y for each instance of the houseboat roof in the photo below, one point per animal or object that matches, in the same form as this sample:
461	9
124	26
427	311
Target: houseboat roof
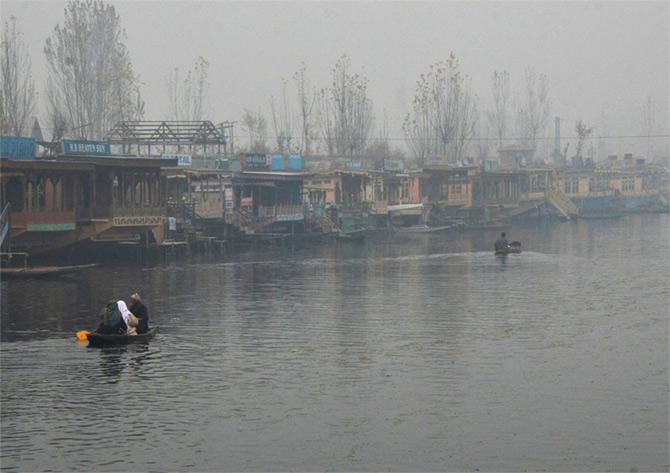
44	164
346	172
124	161
181	171
448	168
271	176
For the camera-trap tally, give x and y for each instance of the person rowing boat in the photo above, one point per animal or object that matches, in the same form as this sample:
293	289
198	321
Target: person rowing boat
504	247
501	243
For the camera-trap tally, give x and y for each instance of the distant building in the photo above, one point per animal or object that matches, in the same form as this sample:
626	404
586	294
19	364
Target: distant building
514	155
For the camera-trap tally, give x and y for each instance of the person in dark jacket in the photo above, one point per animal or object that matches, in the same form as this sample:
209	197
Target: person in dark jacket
111	320
501	243
140	311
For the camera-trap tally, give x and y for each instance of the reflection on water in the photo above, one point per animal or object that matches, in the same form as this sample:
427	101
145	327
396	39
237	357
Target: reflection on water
414	353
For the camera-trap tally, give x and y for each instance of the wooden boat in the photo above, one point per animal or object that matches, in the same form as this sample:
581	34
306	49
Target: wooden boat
42	271
354	235
423	229
101	340
514	247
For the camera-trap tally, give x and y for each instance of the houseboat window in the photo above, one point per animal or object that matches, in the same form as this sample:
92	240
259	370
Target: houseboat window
444	190
628	184
137	200
49	195
157	190
14	194
29	195
146	190
68	193
128	189
117	185
39	197
57	200
103	190
84	194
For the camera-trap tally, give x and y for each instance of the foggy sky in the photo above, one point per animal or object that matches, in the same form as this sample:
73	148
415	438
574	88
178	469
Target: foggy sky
602	59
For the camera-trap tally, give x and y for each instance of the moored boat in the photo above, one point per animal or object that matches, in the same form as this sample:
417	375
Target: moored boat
42	271
101	340
353	235
423	229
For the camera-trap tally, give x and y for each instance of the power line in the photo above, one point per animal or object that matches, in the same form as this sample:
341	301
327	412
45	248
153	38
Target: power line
482	138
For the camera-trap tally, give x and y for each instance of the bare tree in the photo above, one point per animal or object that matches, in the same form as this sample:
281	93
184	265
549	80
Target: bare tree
306	101
282	121
648	123
55	117
498	115
92	82
466	123
482	143
445	86
17	97
255	125
346	111
420	132
583	132
380	148
533	108
443	114
188	98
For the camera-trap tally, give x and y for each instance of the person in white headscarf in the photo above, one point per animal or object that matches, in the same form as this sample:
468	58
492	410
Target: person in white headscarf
128	317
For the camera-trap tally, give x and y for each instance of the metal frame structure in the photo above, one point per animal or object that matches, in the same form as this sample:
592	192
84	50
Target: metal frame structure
161	134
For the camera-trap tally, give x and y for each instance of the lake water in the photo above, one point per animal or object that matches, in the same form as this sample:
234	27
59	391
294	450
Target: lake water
416	353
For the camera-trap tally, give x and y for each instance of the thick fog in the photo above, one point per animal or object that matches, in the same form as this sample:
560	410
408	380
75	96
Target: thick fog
603	59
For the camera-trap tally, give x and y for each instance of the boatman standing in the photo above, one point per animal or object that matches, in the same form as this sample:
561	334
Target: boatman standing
141	312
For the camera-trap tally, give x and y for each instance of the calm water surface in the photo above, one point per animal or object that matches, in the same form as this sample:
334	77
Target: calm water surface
417	353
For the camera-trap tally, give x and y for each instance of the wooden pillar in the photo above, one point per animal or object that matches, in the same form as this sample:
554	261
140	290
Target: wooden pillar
92	193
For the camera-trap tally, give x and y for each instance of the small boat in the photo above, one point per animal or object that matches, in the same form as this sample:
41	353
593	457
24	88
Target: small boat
353	235
103	340
41	271
423	229
514	247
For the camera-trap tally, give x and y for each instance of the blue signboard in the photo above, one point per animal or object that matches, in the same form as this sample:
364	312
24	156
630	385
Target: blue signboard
98	148
277	162
354	165
182	159
295	162
256	161
18	147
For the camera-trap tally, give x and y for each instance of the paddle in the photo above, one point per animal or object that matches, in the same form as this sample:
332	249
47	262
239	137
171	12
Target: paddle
82	335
